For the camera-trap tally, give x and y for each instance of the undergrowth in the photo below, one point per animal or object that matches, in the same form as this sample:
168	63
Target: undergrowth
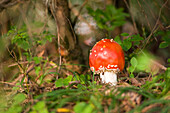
143	85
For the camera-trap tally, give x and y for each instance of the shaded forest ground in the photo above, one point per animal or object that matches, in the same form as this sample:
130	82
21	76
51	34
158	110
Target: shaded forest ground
45	46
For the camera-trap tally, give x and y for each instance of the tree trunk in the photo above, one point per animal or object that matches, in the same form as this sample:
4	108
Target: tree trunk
61	13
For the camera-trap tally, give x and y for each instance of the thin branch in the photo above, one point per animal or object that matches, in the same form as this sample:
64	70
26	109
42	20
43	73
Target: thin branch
81	8
52	8
8	3
159	65
143	11
46	17
16	60
160	23
74	35
24	62
155	27
133	20
3	1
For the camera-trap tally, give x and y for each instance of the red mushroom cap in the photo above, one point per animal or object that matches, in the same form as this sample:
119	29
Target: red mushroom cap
106	55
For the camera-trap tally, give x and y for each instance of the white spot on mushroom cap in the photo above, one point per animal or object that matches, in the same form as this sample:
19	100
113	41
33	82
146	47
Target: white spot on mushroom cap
101	49
108	66
105	52
95	55
112	65
95	51
92	68
111	40
90	53
103	40
101	66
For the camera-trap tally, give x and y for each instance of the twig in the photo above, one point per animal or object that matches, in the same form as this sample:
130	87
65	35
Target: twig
81	8
3	1
52	8
12	84
17	79
150	9
159	65
8	3
143	11
154	28
15	59
160	24
74	35
46	16
167	27
133	20
23	62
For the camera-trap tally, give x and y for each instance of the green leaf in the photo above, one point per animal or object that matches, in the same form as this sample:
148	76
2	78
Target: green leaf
136	38
131	69
131	75
19	98
40	107
67	80
108	19
136	43
118	40
83	108
24	45
78	108
163	45
96	101
133	61
126	44
124	34
29	58
133	66
16	107
37	59
168	60
59	82
37	70
63	82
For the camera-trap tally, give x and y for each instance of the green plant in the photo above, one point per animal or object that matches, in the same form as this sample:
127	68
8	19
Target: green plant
165	38
133	66
81	92
108	19
129	42
17	102
63	82
39	107
83	107
26	43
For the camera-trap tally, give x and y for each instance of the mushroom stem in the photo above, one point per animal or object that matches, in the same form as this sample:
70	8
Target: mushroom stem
109	77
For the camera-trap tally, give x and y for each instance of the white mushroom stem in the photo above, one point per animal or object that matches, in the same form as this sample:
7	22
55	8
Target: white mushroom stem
109	77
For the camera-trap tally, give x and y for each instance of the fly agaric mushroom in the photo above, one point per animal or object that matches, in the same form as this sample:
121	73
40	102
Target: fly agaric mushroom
107	59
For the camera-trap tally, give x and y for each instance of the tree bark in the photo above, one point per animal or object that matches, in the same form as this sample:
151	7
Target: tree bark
61	14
